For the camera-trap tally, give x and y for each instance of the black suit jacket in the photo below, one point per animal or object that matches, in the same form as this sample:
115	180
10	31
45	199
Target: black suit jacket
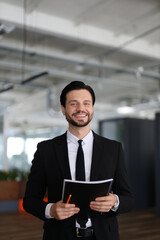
50	167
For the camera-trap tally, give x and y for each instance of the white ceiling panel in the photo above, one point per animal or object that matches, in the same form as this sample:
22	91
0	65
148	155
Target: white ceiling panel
112	45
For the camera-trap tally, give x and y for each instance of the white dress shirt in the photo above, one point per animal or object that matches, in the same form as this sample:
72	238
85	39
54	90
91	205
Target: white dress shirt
87	145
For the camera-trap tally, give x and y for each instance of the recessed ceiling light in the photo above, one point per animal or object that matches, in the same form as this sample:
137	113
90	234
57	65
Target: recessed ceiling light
125	110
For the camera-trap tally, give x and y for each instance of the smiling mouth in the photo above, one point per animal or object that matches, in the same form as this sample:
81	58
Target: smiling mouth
80	115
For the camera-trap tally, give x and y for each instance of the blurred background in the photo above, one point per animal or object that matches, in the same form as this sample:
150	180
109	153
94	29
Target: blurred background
114	46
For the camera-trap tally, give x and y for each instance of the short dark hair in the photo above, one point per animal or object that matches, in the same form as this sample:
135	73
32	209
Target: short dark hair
75	85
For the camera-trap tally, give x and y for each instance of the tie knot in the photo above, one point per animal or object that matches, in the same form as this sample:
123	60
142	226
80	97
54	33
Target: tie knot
80	141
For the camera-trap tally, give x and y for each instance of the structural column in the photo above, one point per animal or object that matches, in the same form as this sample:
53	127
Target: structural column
157	163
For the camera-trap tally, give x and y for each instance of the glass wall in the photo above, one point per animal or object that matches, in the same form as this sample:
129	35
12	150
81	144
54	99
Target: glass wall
1	142
21	148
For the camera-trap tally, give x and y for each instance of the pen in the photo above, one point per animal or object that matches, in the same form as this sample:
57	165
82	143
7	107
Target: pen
69	198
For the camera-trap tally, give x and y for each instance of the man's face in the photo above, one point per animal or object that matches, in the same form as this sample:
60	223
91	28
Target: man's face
79	107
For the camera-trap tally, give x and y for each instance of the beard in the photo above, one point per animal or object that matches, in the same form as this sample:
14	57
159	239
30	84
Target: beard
79	123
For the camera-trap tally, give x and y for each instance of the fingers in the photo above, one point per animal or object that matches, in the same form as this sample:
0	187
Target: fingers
103	204
62	211
110	197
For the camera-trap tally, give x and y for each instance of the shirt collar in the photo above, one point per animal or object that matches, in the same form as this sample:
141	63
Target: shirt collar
74	139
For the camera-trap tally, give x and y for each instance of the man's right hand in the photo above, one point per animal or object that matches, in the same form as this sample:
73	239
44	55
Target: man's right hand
62	211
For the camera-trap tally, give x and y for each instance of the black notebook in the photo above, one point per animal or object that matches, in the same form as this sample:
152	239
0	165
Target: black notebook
82	193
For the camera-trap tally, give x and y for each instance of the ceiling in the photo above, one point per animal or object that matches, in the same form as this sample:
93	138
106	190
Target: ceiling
112	45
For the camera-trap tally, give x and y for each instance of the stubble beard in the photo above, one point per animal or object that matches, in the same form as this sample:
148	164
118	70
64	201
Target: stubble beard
79	123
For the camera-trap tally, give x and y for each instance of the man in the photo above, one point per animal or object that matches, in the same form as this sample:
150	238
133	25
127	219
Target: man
55	160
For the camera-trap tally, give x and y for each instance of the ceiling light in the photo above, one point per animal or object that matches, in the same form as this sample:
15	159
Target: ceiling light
125	110
34	77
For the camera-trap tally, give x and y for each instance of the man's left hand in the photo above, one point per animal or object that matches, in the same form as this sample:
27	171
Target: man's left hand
104	204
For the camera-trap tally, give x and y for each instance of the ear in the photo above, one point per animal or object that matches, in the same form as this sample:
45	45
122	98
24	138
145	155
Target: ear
63	109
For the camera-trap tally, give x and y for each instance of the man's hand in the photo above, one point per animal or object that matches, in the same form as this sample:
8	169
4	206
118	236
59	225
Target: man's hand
103	204
62	211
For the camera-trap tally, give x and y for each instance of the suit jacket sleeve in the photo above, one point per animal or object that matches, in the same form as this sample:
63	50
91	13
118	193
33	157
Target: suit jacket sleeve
36	187
121	184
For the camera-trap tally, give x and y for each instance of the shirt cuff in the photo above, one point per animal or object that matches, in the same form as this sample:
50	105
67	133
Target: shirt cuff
47	210
116	205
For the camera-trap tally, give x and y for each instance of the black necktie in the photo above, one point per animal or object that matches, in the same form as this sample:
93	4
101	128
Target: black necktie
80	168
80	175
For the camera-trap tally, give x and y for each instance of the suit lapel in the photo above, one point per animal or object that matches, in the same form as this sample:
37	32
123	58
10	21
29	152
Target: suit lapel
62	156
96	166
97	162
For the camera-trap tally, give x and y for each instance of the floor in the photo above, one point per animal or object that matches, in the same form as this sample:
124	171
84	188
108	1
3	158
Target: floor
136	225
139	225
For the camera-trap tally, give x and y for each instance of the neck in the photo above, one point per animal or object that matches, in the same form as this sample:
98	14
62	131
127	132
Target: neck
79	132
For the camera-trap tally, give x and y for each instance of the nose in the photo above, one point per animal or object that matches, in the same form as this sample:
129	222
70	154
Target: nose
80	107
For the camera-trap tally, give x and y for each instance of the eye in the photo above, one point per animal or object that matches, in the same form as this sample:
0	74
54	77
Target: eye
87	104
73	104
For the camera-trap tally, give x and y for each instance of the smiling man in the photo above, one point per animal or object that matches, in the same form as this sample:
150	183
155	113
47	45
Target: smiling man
59	158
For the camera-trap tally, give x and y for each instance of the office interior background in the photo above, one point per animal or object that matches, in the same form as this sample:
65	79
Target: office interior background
112	45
